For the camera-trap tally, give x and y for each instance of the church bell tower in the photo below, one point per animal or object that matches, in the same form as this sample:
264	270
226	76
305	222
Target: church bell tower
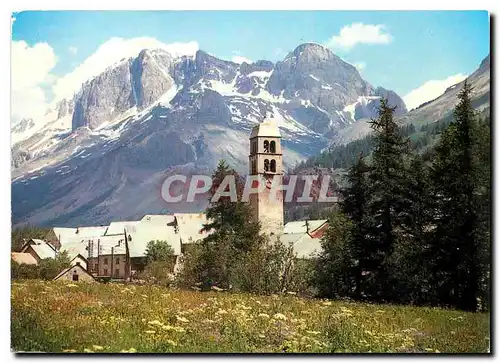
266	160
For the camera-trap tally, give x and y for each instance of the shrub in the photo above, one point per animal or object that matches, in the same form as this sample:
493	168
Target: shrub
158	272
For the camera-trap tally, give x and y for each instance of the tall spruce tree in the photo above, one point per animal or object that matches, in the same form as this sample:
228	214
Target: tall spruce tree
332	275
386	202
354	206
233	231
409	262
462	230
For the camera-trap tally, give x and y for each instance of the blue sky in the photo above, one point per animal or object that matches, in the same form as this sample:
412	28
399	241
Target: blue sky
420	45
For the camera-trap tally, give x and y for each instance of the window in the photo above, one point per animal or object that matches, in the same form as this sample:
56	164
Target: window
254	167
254	147
117	272
75	277
266	146
273	147
105	272
273	166
105	260
266	165
118	261
96	267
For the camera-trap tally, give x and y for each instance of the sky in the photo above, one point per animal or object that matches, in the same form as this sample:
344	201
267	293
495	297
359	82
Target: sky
415	53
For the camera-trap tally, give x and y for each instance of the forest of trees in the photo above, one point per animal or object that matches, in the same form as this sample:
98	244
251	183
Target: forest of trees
410	231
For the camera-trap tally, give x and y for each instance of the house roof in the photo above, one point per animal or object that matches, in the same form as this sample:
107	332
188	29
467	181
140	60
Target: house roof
158	218
23	258
78	255
63	232
74	246
304	245
190	225
91	231
44	250
66	235
118	227
80	246
300	226
73	267
268	128
35	241
41	248
146	232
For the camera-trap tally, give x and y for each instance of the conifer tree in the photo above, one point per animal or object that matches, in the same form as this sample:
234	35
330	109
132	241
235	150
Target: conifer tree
461	228
233	231
332	275
354	206
409	262
386	200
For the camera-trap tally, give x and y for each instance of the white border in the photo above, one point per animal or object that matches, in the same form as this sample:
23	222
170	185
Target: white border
19	5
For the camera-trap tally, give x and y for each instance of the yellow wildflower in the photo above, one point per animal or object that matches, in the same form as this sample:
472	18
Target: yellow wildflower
97	347
171	342
263	315
131	350
182	319
149	331
155	322
279	316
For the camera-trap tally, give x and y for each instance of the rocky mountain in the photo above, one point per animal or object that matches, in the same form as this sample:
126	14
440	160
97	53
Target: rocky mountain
442	106
104	154
431	111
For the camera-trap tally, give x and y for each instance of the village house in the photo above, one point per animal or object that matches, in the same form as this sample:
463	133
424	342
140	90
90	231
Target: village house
39	249
58	235
75	273
79	260
23	258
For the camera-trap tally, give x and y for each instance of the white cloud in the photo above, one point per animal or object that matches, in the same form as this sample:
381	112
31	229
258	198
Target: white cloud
359	33
360	66
112	51
30	69
431	90
239	59
73	50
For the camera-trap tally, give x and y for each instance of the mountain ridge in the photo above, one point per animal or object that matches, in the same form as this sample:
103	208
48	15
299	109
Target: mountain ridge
152	115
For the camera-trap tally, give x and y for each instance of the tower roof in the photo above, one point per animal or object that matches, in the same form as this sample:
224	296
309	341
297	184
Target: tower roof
267	128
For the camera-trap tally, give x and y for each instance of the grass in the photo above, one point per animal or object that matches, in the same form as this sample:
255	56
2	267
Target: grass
66	317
